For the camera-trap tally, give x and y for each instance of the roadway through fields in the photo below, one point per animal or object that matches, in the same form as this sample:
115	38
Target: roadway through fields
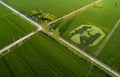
21	15
39	28
75	12
17	42
99	63
93	59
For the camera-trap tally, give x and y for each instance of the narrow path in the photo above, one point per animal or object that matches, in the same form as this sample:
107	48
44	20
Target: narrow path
105	41
21	15
75	12
90	70
96	61
18	41
40	29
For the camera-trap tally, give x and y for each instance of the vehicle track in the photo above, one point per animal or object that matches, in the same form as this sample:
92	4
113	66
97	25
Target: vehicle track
105	41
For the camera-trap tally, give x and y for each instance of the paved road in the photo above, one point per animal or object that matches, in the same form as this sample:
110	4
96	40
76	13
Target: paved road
101	64
40	29
75	12
21	15
18	41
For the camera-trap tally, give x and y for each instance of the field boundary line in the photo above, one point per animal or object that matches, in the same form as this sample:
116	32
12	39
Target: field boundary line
91	58
38	26
75	12
105	41
101	64
21	15
6	15
18	41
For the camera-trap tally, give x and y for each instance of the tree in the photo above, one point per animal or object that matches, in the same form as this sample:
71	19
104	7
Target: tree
56	33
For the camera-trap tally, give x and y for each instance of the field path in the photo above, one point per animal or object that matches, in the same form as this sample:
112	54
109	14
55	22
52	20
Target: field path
18	41
93	59
40	29
105	41
75	12
21	15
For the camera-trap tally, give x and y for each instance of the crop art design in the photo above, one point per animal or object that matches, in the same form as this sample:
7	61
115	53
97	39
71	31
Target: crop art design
87	35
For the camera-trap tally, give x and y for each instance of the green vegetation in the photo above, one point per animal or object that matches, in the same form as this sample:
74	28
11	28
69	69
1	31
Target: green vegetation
111	52
104	16
96	72
101	15
55	7
12	27
3	11
41	56
87	35
39	15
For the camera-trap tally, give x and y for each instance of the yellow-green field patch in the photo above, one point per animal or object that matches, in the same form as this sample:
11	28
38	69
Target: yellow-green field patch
87	35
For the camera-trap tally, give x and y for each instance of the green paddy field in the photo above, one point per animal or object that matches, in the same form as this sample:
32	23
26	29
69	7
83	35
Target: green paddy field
111	53
104	15
55	7
41	55
12	27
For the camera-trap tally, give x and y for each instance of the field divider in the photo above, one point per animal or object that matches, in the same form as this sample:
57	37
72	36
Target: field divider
96	61
105	41
21	15
38	26
18	41
75	12
91	58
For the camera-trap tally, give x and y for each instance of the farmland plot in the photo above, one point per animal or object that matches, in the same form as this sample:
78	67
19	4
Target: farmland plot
104	16
55	7
42	56
111	53
12	27
96	72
